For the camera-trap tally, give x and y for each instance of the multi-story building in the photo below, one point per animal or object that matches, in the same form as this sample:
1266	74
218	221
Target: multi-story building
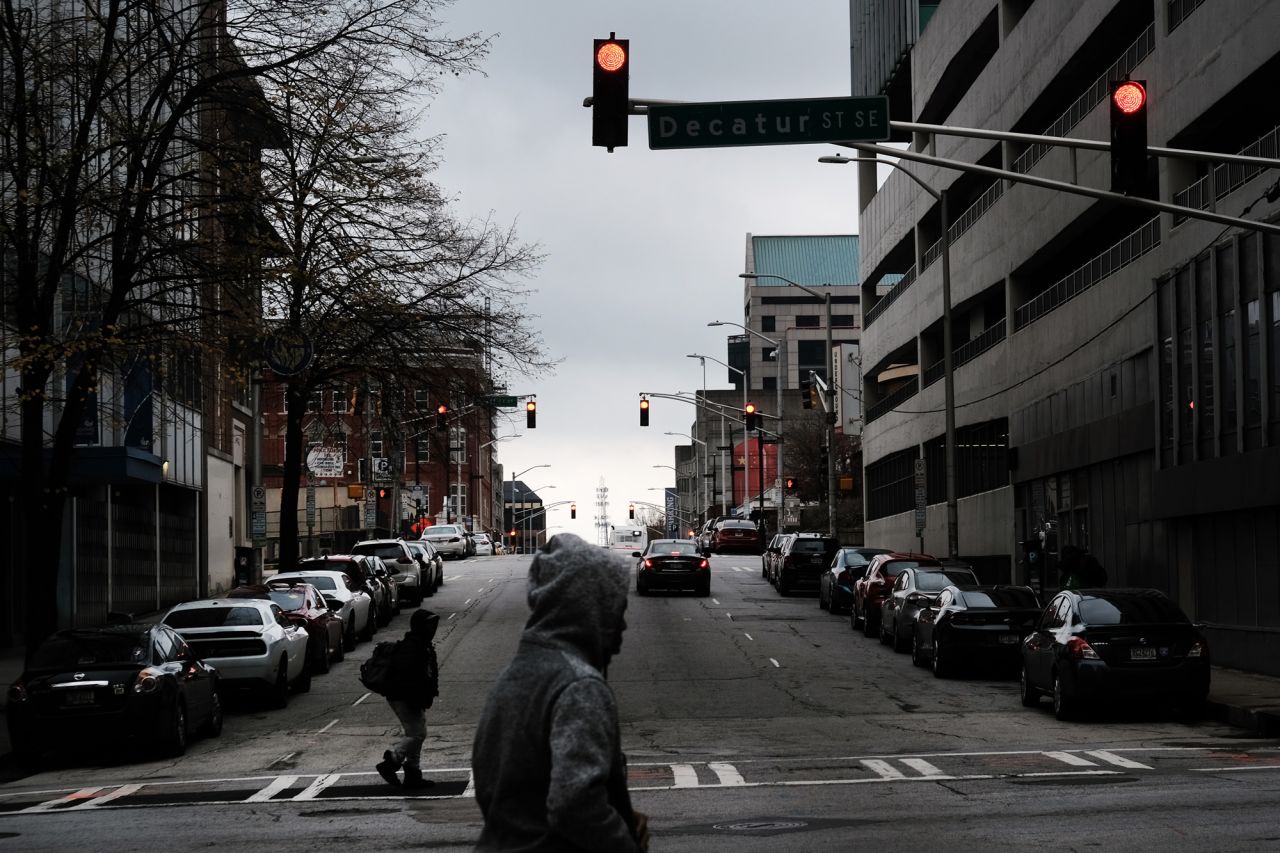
1114	367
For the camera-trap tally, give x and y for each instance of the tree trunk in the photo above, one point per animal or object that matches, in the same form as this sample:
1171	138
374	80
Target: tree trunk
296	396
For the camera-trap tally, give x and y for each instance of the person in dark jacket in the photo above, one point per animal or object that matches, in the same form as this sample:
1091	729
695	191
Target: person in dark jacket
547	759
415	675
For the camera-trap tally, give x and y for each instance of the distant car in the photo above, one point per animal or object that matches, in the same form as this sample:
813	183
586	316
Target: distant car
1114	645
736	535
484	545
361	571
431	564
137	682
303	604
403	563
672	564
449	539
804	558
915	588
974	625
252	644
874	587
341	592
835	585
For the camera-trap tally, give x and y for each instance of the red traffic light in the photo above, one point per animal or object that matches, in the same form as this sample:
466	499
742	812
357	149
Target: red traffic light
611	56
1129	97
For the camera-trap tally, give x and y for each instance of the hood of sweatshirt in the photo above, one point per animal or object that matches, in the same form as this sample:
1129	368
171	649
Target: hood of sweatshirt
423	625
578	595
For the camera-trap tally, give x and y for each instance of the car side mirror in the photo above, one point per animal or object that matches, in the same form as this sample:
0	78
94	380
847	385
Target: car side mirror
403	559
636	554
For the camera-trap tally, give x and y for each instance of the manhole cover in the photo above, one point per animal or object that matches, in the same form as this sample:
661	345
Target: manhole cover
761	825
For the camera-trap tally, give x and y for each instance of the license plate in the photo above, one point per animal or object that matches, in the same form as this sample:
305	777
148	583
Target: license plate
78	697
1142	654
1008	639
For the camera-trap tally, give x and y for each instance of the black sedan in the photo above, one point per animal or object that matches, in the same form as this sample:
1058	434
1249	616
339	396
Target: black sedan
1114	645
672	564
835	586
974	625
105	684
916	588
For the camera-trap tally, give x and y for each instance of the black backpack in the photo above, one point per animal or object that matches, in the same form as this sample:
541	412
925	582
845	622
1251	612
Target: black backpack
376	672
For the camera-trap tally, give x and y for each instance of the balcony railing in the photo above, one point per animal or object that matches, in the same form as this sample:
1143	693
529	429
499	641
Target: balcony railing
1094	95
1226	178
897	398
1180	10
885	301
1128	250
967	351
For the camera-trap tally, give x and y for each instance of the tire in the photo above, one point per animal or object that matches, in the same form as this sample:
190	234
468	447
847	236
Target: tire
868	629
341	652
1064	707
895	639
855	621
370	625
941	665
174	743
28	758
349	639
880	632
303	683
278	698
705	589
641	589
782	585
917	656
1029	696
320	662
213	726
822	602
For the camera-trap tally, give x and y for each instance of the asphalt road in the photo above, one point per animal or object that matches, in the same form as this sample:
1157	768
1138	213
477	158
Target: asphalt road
751	721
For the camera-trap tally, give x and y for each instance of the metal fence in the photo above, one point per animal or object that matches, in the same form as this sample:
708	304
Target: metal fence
906	392
885	301
1226	178
967	351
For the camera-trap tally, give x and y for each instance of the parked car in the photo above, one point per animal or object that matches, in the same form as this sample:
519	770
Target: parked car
804	557
1114	645
431	565
359	568
915	588
137	682
404	565
303	604
974	625
252	644
341	592
672	564
875	585
736	534
835	585
388	589
449	539
471	542
770	554
484	545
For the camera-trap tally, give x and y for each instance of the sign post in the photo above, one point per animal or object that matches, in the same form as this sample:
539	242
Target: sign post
721	124
921	498
258	515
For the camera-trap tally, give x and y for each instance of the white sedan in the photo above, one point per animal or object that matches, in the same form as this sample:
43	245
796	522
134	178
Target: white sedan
249	641
344	597
484	545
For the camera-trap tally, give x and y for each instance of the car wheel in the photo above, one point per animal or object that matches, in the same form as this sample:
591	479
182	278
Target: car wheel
303	682
822	602
213	726
320	657
868	627
917	656
349	638
782	585
895	639
279	697
28	758
941	664
370	625
175	740
705	589
1029	695
641	589
1064	706
880	632
853	616
340	648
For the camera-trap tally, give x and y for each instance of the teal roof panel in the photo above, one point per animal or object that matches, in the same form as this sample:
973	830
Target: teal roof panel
809	260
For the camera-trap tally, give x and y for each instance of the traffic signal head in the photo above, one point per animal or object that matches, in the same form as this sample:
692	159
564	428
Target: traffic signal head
1129	136
806	393
382	493
610	85
442	416
531	414
573	510
751	419
791	484
631	510
644	411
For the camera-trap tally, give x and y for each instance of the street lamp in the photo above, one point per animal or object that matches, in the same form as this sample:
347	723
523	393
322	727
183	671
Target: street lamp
953	537
513	492
746	438
831	415
529	516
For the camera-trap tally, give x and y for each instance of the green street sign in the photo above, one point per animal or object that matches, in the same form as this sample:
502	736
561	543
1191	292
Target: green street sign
501	401
721	124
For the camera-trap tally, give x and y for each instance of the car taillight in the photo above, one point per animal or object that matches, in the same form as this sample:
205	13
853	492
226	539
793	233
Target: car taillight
844	576
648	564
148	680
1080	650
1198	649
704	564
18	692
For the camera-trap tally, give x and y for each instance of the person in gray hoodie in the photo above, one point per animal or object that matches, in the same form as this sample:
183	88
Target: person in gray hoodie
547	759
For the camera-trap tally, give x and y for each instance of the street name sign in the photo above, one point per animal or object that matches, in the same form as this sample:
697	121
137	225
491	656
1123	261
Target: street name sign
722	124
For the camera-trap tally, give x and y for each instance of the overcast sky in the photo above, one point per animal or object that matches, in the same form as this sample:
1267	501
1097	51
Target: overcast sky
643	247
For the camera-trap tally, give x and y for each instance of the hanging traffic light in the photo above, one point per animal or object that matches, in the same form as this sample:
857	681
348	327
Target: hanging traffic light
644	411
382	493
531	414
806	392
610	83
751	419
792	484
573	510
442	416
1129	137
631	510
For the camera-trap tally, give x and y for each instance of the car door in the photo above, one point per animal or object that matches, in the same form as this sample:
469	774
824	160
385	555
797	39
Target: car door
295	641
360	602
926	623
893	602
1038	648
195	678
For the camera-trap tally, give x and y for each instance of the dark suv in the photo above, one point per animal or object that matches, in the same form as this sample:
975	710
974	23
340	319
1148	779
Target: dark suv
803	559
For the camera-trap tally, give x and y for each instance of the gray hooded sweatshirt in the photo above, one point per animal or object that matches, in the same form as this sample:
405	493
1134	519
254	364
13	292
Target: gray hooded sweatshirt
547	760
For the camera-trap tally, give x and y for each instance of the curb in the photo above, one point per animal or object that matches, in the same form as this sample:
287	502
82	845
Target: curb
1264	722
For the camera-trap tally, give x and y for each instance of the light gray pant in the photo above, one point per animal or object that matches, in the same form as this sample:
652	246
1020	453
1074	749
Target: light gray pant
413	719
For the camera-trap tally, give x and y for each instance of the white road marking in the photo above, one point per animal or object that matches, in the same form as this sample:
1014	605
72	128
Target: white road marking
58	801
287	757
468	601
685	776
715	602
1073	760
775	663
1118	761
470	790
728	615
276	785
94	802
331	724
727	774
361	699
926	769
313	790
453	577
883	769
748	636
481	589
1232	769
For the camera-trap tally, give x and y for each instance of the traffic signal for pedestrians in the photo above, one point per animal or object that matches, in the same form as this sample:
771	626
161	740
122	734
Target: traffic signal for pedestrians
610	85
573	510
531	414
442	416
1129	137
644	411
631	510
382	493
792	484
750	418
806	392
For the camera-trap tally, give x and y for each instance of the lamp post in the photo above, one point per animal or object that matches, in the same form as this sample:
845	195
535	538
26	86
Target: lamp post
953	537
513	493
492	468
529	516
723	473
831	415
779	348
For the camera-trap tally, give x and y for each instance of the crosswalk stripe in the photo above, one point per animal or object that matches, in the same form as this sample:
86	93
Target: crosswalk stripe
1117	760
69	798
925	768
470	790
883	769
1073	760
313	790
276	785
727	774
685	776
94	802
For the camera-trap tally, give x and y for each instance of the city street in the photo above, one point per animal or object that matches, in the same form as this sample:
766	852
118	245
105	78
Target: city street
751	722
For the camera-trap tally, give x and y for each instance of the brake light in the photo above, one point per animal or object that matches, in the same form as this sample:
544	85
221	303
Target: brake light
844	576
1080	650
148	680
704	564
18	692
648	564
1198	649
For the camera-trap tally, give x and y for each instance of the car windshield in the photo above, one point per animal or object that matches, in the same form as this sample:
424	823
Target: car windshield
289	599
747	525
855	558
811	546
482	538
441	530
76	649
328	566
387	551
213	617
1000	598
674	547
1129	610
932	581
893	568
319	582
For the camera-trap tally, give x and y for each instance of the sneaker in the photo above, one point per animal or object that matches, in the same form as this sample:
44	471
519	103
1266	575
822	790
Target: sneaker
387	768
413	779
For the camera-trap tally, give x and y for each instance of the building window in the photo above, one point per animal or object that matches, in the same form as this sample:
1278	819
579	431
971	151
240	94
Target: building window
458	500
1226	280
891	484
422	399
770	383
1273	346
808	321
841	320
457	445
768	323
375	443
315	403
340	400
